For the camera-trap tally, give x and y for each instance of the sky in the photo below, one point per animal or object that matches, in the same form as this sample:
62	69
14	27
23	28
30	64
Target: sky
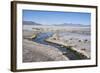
55	17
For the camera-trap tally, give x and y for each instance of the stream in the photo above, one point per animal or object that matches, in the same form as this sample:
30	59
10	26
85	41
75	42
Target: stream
41	39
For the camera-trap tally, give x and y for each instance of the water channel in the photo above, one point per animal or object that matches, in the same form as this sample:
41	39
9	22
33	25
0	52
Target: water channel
68	53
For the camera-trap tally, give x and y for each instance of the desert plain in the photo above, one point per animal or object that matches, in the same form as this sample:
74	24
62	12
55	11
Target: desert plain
56	43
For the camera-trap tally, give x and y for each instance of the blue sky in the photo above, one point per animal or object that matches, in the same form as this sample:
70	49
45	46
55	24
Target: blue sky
55	17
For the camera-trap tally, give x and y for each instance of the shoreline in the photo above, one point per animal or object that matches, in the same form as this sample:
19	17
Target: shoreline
82	53
35	52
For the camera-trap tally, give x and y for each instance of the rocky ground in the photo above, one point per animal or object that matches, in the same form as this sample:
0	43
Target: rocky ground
78	38
80	42
35	52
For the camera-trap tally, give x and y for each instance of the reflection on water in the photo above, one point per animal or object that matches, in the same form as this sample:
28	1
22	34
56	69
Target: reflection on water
41	39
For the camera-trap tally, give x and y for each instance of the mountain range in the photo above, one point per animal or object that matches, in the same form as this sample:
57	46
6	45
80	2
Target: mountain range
63	24
70	24
30	23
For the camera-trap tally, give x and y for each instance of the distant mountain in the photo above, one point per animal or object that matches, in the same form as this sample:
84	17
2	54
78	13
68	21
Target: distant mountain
70	24
30	23
64	24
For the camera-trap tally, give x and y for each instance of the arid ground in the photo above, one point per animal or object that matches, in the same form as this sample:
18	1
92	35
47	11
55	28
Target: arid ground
56	43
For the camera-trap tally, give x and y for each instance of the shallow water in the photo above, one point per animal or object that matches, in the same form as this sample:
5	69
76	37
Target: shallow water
41	39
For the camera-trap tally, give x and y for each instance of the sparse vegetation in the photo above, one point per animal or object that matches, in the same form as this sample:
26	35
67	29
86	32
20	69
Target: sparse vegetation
72	37
79	40
85	40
